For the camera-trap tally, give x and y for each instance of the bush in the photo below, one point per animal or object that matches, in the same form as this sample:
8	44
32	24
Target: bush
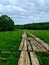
6	23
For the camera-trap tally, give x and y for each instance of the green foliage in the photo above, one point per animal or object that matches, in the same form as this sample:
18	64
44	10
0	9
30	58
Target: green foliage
34	26
6	23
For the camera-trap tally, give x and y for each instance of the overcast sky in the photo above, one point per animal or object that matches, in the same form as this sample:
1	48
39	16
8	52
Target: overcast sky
25	11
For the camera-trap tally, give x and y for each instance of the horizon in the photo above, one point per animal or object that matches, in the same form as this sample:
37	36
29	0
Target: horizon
25	11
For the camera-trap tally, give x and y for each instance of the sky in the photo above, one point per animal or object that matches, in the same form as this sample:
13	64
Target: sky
25	11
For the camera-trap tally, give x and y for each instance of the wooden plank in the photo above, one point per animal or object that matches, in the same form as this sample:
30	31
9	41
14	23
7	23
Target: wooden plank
21	60
24	59
27	59
36	46
33	46
34	59
29	46
46	46
25	45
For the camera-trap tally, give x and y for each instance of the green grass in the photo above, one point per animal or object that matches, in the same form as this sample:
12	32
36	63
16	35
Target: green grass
43	34
10	42
12	58
43	58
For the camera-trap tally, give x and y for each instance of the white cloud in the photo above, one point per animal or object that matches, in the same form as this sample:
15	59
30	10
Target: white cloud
25	11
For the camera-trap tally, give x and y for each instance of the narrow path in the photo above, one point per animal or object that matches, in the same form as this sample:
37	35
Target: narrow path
27	57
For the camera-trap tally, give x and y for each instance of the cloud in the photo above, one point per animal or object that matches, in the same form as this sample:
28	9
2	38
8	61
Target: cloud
25	11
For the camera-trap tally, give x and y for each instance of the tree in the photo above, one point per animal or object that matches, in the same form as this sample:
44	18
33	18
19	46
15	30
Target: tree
34	26
6	23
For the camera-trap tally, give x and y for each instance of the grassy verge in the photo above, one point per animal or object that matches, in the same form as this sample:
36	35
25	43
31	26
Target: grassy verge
10	41
43	58
12	58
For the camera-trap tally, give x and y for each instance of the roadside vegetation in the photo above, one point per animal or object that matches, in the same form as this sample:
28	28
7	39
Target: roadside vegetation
43	58
11	58
10	40
9	44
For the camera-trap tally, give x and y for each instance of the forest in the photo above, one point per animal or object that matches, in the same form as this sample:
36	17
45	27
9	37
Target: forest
34	26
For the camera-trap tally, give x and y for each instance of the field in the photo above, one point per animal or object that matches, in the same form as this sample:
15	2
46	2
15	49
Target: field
9	44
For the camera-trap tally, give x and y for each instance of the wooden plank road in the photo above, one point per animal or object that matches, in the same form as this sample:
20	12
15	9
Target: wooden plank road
26	50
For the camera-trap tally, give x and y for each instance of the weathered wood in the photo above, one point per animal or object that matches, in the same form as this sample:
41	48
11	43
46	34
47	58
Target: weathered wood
24	59
25	45
27	59
46	46
34	59
21	60
36	46
29	46
3	58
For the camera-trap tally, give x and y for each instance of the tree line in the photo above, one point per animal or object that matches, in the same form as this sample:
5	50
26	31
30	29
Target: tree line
6	23
34	26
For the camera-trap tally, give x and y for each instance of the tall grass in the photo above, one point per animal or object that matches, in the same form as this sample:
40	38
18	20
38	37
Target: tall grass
43	58
9	42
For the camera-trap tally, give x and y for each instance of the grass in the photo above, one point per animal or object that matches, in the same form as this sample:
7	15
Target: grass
12	58
43	58
43	34
10	41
